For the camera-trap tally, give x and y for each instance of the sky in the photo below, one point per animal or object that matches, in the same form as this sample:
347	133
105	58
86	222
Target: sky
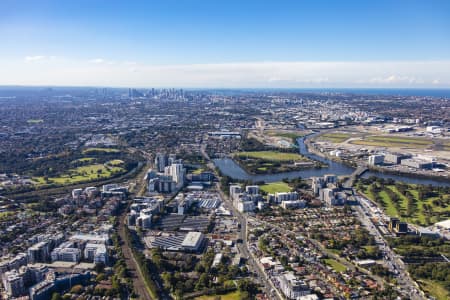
226	44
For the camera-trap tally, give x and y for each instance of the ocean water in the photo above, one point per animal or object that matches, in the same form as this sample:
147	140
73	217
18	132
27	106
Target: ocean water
441	93
395	92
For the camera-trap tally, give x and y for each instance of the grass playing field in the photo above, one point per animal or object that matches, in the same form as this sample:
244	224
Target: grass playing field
230	296
275	187
271	155
337	266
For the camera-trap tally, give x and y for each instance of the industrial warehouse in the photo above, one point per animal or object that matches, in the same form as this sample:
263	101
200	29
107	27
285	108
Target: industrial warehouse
192	242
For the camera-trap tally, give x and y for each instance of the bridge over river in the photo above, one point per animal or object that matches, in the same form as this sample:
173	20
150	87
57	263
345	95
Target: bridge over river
355	175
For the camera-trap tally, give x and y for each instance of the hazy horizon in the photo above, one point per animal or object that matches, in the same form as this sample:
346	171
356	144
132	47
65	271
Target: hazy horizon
299	44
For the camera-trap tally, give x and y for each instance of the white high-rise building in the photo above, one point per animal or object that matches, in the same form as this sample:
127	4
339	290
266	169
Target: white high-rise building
235	189
177	173
317	184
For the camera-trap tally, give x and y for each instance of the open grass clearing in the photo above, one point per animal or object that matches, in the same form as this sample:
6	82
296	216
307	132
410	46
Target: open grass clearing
275	187
230	296
435	289
286	134
334	137
5	214
393	141
105	150
419	215
337	266
81	174
388	205
272	155
84	159
115	162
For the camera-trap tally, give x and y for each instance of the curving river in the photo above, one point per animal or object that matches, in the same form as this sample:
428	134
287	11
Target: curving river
230	168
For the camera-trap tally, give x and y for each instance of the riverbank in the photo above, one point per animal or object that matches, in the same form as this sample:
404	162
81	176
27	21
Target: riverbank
231	169
273	162
407	177
310	148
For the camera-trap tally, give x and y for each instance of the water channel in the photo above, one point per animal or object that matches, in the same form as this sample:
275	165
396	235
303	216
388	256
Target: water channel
230	168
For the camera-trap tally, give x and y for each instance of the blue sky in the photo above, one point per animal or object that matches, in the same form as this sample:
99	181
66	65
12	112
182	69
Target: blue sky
294	43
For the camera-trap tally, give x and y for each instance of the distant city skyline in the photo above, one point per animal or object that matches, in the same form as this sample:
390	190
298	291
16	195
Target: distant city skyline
211	44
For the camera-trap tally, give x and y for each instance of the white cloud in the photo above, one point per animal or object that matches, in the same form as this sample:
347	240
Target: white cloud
97	60
102	72
395	79
34	58
102	61
436	81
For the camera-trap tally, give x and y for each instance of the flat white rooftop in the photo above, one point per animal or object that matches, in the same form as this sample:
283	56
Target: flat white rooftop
444	224
192	239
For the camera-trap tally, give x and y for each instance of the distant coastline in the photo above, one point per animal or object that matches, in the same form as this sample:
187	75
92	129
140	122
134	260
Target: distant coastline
404	92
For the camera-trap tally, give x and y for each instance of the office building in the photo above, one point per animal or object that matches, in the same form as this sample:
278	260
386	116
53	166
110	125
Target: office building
193	241
96	253
330	178
417	163
39	252
245	206
161	161
13	283
395	225
317	184
376	159
292	287
284	196
293	204
144	221
395	158
76	193
177	172
252	189
15	263
162	184
66	252
235	190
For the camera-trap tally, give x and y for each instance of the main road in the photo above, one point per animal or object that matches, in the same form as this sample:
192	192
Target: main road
269	287
393	261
